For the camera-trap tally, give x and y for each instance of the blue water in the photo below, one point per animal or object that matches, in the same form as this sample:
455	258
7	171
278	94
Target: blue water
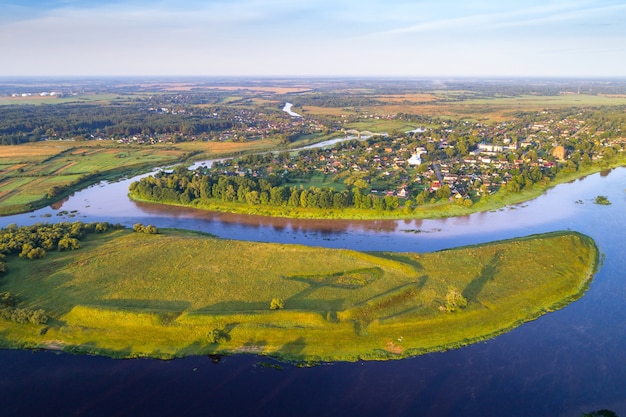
563	364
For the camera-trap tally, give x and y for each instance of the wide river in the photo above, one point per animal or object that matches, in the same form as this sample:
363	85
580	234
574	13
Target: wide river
563	364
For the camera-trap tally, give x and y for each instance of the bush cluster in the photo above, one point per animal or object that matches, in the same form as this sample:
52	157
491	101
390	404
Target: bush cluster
32	241
8	311
149	229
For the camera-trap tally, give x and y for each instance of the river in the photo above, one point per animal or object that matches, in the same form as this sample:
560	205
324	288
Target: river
563	364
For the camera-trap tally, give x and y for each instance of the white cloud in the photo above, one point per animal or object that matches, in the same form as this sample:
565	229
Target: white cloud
547	17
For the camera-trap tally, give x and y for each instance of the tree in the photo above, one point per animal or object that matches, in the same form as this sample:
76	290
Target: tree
601	413
294	198
378	203
68	243
38	316
54	191
454	300
443	192
36	253
217	335
304	196
360	183
422	197
277	304
252	197
277	196
151	230
6	299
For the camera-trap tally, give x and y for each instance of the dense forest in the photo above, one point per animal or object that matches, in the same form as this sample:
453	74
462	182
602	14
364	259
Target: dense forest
20	124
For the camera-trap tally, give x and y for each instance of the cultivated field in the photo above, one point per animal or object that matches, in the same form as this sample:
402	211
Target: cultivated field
449	104
29	171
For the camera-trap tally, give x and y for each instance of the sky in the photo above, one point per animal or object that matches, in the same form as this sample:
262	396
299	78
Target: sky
304	38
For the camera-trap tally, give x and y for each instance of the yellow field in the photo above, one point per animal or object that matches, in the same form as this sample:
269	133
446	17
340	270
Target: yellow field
31	151
220	149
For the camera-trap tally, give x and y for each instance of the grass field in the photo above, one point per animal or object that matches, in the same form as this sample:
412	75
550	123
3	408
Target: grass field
27	172
128	294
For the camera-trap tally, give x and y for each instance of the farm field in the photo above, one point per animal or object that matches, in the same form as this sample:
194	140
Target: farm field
177	293
447	104
29	171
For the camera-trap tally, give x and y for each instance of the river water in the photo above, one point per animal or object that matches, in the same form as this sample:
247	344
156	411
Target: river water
563	364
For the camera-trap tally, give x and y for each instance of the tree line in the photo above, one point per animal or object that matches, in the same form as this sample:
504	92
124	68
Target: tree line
186	187
21	124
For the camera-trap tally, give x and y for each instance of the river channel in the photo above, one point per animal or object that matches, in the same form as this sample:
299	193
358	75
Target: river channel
563	364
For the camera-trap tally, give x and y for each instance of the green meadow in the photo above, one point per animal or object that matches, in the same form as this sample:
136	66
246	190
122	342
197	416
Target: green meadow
178	293
28	172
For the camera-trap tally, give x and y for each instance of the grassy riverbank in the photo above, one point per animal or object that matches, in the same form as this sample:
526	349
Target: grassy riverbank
178	293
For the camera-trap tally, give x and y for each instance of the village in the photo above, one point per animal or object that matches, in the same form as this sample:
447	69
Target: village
456	160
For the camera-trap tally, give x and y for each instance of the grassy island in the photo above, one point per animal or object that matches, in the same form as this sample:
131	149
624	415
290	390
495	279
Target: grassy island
177	293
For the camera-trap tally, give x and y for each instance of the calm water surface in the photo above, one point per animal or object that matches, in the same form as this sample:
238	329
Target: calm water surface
563	364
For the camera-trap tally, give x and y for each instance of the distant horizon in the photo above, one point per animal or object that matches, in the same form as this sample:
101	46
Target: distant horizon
313	38
278	78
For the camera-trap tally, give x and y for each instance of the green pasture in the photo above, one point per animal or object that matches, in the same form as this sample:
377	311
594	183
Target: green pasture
178	293
30	170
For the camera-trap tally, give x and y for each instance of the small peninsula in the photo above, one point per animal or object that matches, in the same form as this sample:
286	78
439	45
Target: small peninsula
173	293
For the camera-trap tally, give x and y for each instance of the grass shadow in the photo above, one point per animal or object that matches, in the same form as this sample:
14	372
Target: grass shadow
252	346
353	279
302	301
168	311
488	273
156	305
404	259
397	301
92	347
234	307
293	350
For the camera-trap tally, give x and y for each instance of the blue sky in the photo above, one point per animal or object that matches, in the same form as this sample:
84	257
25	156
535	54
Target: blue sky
395	38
